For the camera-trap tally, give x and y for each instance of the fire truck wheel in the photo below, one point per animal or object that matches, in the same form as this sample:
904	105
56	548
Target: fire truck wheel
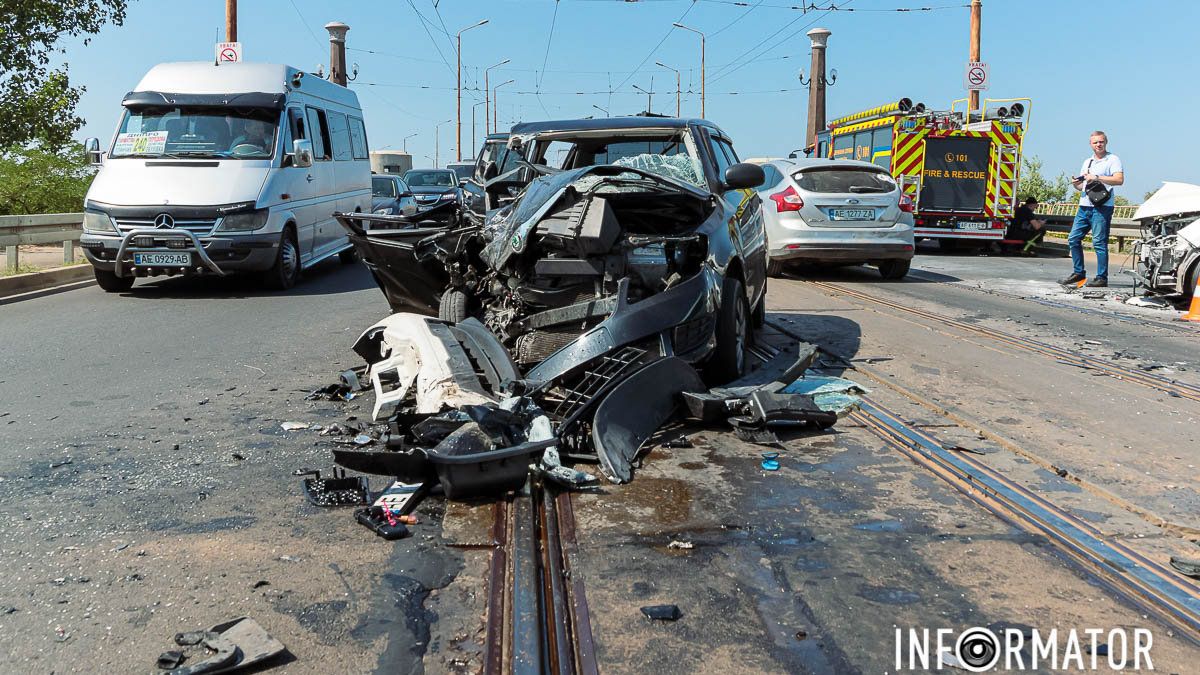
894	269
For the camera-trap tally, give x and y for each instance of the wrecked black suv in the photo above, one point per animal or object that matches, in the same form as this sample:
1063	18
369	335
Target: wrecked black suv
608	232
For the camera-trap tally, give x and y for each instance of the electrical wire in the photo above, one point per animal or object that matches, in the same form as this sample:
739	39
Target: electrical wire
743	64
425	25
660	43
546	57
305	23
741	16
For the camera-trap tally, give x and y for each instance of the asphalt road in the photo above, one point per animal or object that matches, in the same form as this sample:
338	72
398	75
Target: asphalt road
146	487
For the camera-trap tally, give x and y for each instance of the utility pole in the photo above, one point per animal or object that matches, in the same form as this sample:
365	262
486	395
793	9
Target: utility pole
473	136
458	104
496	106
231	21
976	12
437	143
649	97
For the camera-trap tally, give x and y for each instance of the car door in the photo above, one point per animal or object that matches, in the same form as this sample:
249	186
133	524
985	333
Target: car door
321	177
744	212
300	184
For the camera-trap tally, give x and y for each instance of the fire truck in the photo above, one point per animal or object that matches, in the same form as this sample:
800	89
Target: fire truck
959	168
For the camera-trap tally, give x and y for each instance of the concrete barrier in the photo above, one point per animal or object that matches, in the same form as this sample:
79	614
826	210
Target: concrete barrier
18	284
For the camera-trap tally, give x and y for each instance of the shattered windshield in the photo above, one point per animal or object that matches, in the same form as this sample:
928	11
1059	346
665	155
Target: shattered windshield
197	131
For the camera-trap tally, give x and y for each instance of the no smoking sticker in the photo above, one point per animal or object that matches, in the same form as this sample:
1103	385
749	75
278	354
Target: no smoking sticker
229	52
976	76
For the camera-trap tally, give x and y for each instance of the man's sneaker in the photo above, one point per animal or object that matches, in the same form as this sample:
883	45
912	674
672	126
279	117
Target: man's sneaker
1097	282
1073	279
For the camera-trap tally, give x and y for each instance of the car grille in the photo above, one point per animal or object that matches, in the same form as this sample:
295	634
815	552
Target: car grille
200	228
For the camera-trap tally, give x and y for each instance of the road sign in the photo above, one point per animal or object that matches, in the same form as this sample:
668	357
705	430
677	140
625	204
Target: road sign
975	77
229	52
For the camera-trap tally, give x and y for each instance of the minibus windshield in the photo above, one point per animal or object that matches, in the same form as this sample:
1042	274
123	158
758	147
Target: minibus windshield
200	131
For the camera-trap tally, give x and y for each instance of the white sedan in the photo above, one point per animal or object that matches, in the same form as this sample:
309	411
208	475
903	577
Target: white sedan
841	212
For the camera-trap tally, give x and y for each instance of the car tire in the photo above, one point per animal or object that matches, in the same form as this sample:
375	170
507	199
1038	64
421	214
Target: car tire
893	270
286	271
758	317
453	306
728	361
774	267
111	283
1193	282
349	256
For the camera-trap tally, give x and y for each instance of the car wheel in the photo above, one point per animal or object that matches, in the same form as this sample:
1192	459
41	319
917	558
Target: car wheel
894	269
453	306
286	271
349	256
728	361
111	283
774	267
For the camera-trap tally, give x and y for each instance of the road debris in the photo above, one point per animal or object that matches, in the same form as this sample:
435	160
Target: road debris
662	612
1186	566
235	644
294	426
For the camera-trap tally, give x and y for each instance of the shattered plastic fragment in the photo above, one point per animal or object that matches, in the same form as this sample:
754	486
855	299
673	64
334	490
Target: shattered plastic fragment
662	612
293	426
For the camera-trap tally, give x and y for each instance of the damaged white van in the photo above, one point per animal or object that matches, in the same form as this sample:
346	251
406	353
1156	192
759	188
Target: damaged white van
231	168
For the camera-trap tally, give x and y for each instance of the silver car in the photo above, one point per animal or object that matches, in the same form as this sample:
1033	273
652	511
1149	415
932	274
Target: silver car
839	211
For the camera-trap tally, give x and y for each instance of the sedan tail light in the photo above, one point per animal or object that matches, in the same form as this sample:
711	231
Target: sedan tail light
787	200
906	204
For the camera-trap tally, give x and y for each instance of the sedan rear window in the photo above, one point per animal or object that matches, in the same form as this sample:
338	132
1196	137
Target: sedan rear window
844	180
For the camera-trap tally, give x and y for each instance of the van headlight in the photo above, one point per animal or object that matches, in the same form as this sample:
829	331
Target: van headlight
243	222
95	221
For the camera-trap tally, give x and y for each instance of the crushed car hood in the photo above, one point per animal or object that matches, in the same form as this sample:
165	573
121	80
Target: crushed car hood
1174	199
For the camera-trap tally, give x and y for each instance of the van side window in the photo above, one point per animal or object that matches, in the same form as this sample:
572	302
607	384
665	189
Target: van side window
339	135
358	139
318	130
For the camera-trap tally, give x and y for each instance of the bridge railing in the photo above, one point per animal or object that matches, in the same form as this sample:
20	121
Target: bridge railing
47	228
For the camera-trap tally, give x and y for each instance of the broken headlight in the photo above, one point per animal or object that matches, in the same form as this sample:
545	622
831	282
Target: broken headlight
95	221
243	222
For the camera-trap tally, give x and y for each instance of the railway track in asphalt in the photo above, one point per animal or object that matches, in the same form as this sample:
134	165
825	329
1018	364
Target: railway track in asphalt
537	612
1147	584
1169	386
1177	327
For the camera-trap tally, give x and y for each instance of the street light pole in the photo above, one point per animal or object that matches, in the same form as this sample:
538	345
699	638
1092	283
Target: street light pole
496	105
660	63
437	145
601	110
231	21
473	136
702	92
487	96
649	98
405	141
458	104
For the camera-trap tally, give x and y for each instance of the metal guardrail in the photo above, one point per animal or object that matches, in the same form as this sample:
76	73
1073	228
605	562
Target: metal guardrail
47	228
1069	208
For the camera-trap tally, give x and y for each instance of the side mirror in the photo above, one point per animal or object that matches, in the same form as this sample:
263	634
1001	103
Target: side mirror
404	195
302	153
92	147
744	175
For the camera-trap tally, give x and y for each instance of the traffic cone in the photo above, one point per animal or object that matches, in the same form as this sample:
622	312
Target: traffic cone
1193	313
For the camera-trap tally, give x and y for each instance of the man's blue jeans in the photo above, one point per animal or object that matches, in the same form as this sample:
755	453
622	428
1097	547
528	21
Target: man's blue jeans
1094	219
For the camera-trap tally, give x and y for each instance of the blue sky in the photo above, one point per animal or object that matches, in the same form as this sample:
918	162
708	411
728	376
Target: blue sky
1123	66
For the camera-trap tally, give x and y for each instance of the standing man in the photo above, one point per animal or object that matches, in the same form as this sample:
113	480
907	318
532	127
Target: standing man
1102	171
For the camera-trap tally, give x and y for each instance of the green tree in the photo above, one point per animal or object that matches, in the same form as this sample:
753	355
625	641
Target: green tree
35	179
37	103
1034	184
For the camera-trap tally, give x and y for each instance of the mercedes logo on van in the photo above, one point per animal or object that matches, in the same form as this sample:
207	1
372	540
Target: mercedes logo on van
164	221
